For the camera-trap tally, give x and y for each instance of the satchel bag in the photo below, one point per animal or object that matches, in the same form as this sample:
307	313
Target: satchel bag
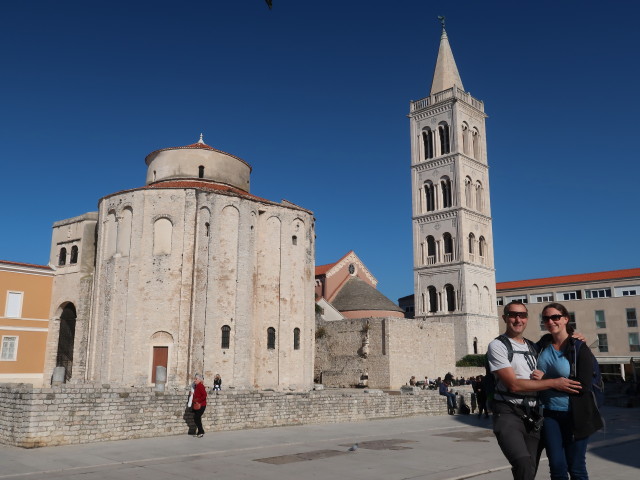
196	406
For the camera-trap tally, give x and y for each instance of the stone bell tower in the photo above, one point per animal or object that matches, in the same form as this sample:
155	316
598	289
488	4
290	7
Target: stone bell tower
454	276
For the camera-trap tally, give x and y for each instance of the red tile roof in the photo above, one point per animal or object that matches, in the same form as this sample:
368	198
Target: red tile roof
44	267
579	278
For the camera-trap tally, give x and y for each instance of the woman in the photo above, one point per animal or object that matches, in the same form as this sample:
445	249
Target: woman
569	419
199	403
217	382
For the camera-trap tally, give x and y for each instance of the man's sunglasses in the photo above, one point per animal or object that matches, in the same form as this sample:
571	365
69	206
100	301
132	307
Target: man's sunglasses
517	315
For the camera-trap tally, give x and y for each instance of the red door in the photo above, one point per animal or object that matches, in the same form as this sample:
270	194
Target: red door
160	357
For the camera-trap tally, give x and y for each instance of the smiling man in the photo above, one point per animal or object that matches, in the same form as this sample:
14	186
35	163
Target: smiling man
512	360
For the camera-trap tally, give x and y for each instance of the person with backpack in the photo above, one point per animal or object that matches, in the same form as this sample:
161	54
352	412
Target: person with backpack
569	419
511	359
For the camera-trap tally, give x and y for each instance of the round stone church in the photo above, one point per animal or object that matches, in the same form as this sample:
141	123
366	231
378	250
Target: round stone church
191	272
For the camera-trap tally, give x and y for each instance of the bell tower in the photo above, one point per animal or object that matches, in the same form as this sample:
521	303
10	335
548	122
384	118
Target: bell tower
454	275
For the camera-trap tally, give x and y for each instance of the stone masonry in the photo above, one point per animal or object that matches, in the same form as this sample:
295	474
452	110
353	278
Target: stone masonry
73	414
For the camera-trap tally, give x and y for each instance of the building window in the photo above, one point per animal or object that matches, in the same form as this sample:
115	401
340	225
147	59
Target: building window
465	138
445	184
201	171
603	344
13	308
542	298
427	143
627	293
429	193
476	143
451	297
632	319
9	351
62	259
479	197
574	295
433	299
518	298
598	293
74	255
296	339
271	338
468	195
482	247
634	342
443	131
499	301
600	320
472	246
572	320
431	250
448	247
226	336
294	240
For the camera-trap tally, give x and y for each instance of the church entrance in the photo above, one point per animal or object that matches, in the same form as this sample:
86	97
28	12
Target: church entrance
66	339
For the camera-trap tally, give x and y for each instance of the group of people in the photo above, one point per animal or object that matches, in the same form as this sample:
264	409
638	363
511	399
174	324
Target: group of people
198	400
543	395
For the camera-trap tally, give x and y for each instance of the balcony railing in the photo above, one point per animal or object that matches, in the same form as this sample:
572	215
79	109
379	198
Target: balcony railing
448	257
431	260
454	92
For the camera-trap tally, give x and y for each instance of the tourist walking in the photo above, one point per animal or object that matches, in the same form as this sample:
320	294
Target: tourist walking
198	403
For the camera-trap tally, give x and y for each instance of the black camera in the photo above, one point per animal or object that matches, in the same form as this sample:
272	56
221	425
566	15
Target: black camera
532	422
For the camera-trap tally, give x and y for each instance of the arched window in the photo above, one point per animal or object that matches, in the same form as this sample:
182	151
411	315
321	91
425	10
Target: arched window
296	339
443	133
479	197
472	246
482	248
201	171
430	196
451	297
433	299
162	230
226	336
207	227
74	255
476	143
124	232
62	258
431	250
468	192
427	143
448	247
465	138
445	184
271	338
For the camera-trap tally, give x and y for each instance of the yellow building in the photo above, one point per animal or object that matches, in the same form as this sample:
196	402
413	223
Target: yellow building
25	299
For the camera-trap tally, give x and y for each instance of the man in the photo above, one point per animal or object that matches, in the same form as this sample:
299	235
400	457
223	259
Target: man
515	394
451	397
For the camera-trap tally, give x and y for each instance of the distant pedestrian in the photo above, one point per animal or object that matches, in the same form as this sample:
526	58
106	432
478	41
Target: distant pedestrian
198	403
217	382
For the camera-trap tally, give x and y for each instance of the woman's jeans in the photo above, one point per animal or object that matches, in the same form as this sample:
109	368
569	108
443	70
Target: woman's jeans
566	454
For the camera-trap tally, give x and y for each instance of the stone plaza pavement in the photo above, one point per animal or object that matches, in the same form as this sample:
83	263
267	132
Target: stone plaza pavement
430	448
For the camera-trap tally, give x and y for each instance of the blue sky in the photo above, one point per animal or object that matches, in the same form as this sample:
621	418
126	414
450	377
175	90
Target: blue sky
314	95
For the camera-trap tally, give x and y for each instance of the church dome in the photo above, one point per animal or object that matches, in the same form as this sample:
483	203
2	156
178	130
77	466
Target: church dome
197	161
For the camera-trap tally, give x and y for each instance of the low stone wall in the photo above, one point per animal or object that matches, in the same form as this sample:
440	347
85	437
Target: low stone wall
71	414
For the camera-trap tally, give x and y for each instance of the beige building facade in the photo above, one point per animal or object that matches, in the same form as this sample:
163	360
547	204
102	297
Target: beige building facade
604	306
191	272
454	276
25	296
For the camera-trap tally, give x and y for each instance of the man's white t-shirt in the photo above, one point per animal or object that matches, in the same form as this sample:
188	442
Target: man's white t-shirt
522	363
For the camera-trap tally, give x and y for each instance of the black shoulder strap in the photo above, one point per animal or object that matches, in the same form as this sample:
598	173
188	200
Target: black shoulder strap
505	340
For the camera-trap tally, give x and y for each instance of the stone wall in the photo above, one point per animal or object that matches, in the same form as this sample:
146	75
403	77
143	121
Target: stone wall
72	414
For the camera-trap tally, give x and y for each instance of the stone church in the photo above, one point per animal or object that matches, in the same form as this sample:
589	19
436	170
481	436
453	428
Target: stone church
191	272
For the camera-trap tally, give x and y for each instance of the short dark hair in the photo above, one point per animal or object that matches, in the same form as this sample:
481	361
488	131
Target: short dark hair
565	313
513	302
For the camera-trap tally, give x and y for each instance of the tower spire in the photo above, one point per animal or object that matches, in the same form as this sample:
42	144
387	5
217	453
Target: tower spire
446	73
